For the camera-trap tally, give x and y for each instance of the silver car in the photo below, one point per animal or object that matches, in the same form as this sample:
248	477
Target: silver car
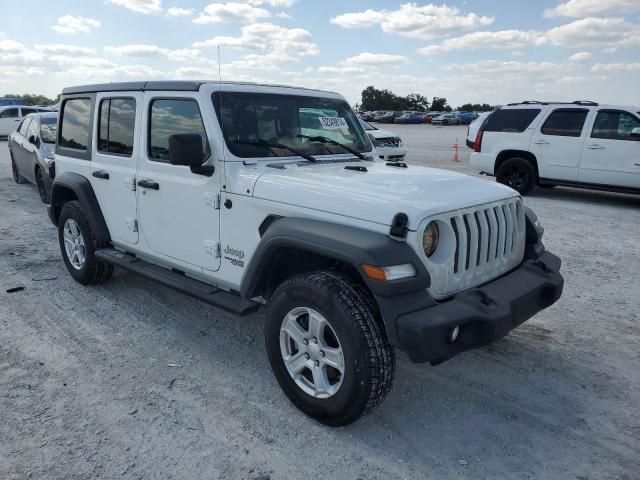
32	148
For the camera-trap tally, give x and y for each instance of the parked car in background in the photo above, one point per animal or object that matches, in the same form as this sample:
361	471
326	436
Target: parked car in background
472	130
446	119
409	118
31	148
427	117
389	146
387	117
10	117
465	117
579	144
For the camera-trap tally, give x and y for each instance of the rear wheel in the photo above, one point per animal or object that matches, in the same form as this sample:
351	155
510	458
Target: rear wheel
17	177
517	173
78	246
327	347
42	190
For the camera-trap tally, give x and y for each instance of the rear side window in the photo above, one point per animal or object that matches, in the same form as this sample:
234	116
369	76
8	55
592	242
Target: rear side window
24	126
515	120
9	113
614	125
117	124
173	116
76	124
27	111
565	123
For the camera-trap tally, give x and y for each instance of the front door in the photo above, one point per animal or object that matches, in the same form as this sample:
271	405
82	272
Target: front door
116	149
611	156
557	143
179	211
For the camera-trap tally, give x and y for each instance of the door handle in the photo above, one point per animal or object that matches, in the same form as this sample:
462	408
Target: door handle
541	142
150	184
101	174
595	147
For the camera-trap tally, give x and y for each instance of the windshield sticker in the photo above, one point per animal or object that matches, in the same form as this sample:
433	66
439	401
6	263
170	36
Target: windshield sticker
333	123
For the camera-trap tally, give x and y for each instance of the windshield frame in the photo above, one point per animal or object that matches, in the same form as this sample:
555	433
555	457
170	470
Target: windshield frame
297	102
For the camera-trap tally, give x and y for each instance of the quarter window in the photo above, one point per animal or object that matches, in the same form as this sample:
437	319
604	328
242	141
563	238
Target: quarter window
9	113
117	124
27	111
76	124
24	126
565	123
511	120
173	117
614	125
33	129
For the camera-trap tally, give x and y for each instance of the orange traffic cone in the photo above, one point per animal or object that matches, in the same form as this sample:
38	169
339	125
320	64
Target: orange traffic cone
455	155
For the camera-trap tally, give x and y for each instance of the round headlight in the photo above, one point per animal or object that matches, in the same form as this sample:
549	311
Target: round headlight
430	238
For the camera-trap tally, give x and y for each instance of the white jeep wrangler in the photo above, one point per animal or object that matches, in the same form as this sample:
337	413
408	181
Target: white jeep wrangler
249	195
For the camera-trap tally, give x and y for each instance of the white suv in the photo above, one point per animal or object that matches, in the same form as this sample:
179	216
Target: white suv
578	144
247	196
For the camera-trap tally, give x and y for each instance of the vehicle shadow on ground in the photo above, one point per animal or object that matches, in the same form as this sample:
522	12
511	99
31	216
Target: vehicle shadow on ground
619	200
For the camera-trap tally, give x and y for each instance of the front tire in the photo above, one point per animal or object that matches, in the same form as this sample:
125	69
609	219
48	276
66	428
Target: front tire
78	246
42	189
17	176
327	347
517	173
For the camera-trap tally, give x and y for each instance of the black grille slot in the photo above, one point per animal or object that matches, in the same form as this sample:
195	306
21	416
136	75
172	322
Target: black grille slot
466	226
496	211
486	215
475	215
455	257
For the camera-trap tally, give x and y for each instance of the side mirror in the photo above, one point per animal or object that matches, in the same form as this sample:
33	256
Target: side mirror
33	140
635	133
186	149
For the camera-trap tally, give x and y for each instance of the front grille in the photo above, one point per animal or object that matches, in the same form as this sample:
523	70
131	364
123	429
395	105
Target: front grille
485	235
486	241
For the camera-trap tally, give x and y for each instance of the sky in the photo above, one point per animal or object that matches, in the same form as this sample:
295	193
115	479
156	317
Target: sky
493	51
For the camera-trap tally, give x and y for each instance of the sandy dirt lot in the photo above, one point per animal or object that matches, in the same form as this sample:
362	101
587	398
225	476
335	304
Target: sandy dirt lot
132	380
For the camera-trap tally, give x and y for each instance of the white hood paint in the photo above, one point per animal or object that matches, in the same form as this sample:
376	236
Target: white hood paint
382	134
379	194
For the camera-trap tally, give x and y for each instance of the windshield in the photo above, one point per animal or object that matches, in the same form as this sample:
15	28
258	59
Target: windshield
48	127
251	120
367	126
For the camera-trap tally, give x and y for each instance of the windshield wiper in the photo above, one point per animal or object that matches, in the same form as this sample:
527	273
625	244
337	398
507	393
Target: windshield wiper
321	139
264	143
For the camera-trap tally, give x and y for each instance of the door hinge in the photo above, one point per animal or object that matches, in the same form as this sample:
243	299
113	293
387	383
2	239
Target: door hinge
130	183
132	223
212	200
212	248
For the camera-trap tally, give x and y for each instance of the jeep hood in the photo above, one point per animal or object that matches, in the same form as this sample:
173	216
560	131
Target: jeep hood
378	194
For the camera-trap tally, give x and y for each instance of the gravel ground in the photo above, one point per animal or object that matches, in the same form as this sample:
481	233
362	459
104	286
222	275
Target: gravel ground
132	380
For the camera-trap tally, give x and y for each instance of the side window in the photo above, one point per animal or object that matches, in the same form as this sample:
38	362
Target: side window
33	129
565	122
24	126
175	116
117	125
514	120
76	123
27	111
614	125
9	113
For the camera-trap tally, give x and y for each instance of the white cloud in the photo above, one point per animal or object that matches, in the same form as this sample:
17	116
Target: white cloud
411	20
374	59
180	12
586	8
148	50
75	24
621	67
284	15
272	3
231	12
505	39
141	6
580	57
279	43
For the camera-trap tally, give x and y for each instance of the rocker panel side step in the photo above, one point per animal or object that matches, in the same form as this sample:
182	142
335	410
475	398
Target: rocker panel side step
200	290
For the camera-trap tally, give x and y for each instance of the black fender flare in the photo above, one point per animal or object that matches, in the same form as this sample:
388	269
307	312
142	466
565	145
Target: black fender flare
350	245
83	191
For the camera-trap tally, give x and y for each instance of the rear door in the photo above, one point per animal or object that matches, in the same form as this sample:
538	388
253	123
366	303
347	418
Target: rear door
179	211
557	144
18	147
114	162
9	120
611	156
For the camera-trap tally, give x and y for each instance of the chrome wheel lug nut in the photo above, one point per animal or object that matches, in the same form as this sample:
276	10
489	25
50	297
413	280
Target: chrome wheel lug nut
315	340
305	341
322	353
317	363
306	356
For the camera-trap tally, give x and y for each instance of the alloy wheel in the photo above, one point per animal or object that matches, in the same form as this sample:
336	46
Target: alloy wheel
74	244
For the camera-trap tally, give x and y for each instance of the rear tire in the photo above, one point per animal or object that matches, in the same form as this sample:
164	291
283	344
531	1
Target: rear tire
353	328
17	176
78	246
517	173
42	190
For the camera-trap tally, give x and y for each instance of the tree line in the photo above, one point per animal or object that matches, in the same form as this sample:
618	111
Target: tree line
375	99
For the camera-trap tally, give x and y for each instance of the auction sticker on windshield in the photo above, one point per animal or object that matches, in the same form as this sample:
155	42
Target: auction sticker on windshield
333	123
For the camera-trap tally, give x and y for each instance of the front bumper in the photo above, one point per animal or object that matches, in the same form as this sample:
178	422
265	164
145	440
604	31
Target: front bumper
484	314
391	154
